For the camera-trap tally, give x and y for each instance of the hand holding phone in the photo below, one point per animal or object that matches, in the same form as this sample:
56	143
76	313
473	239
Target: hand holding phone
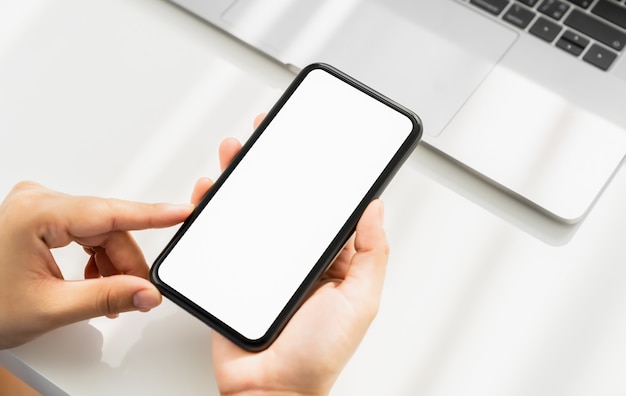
258	243
326	330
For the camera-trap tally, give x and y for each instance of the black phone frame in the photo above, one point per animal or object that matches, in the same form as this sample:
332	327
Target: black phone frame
333	249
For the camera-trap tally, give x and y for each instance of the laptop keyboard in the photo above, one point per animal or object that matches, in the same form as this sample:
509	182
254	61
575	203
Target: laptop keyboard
592	30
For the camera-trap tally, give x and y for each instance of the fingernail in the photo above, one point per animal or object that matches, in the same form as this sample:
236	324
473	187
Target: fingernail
146	299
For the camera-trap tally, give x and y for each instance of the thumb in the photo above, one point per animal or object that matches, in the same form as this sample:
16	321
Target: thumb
108	296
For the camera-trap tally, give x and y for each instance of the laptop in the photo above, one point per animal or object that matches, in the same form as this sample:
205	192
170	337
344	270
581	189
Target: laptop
529	95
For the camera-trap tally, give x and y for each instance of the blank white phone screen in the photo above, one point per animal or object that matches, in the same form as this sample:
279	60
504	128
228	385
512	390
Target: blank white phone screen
269	223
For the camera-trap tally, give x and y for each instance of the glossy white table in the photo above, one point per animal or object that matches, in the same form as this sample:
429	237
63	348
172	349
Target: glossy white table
129	99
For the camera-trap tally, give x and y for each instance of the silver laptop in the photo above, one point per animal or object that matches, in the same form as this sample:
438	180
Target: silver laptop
528	94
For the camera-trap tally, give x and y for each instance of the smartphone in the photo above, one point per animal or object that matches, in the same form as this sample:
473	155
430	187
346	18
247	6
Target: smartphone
246	258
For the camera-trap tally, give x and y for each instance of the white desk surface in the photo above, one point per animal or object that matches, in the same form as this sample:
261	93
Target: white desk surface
130	99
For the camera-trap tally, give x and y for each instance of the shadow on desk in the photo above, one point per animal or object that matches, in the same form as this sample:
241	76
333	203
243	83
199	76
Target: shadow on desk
165	351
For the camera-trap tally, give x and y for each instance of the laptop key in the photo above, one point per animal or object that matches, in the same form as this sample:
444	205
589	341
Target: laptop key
555	9
600	57
581	3
530	3
596	29
545	29
570	47
572	42
549	26
493	6
611	12
575	38
519	16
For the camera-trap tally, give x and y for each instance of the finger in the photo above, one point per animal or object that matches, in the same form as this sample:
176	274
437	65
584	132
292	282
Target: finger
258	119
370	234
69	217
101	265
227	151
364	279
200	189
91	269
80	300
118	253
339	267
224	349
